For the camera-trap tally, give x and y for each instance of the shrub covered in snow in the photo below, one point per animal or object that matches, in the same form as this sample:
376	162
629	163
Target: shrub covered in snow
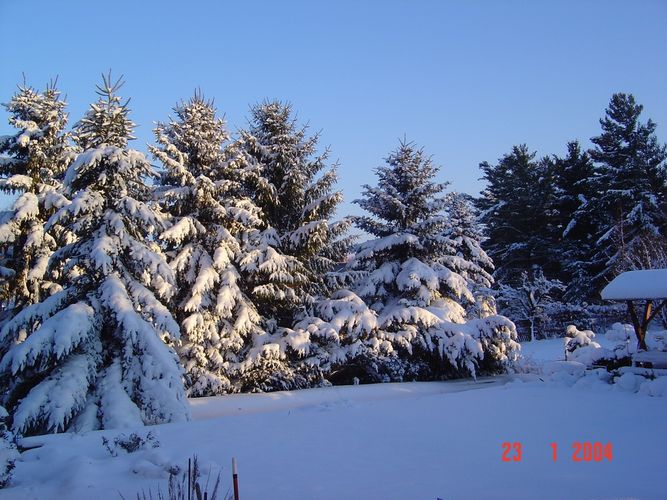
580	346
130	444
621	337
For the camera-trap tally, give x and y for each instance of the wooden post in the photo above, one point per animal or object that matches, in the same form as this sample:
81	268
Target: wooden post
235	478
189	481
635	323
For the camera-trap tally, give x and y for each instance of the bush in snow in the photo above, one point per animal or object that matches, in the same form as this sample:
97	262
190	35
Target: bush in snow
92	355
130	444
622	338
214	226
407	278
580	346
32	163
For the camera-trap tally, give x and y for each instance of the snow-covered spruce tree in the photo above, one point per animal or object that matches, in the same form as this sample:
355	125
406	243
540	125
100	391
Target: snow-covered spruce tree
631	185
213	225
465	254
32	163
92	355
349	346
417	297
300	245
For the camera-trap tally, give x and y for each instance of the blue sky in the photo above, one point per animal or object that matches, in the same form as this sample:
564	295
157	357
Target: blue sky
466	80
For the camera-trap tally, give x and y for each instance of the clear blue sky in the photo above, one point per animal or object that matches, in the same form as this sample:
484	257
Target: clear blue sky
466	80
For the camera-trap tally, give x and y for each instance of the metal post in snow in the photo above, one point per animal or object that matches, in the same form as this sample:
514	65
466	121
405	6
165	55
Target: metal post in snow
235	477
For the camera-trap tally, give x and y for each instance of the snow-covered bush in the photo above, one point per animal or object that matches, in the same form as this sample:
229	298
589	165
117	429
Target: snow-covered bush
657	340
580	346
130	444
621	336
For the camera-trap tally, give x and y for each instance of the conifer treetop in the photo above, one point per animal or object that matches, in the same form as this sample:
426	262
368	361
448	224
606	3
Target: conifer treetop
106	122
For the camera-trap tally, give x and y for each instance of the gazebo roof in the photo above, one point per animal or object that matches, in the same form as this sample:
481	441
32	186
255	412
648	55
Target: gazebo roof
637	285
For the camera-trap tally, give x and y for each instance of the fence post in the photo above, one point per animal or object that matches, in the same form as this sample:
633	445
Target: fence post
235	477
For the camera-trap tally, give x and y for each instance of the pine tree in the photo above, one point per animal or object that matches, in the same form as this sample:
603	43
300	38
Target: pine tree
465	254
516	210
299	247
32	163
297	198
417	297
573	226
213	227
631	182
92	355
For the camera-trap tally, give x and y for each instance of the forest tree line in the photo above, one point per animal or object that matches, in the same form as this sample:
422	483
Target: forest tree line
560	228
127	286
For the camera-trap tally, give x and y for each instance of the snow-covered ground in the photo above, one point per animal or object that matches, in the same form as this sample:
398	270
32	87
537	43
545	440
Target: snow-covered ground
412	440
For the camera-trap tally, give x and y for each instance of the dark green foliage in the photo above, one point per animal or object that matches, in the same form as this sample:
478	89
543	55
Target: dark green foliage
631	186
516	208
295	190
573	228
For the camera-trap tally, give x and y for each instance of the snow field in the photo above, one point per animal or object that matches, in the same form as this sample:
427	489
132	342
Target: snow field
411	440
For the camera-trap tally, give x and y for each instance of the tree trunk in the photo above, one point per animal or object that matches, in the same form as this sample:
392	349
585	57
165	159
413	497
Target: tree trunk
532	330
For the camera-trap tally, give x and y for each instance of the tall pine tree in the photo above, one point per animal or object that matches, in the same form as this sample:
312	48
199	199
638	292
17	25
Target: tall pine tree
32	164
631	186
419	298
573	229
92	355
516	209
214	226
296	194
300	245
465	254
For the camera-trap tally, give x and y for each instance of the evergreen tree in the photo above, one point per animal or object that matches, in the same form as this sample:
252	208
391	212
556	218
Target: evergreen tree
299	247
295	190
573	226
32	163
213	226
92	355
515	209
416	295
465	254
631	185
